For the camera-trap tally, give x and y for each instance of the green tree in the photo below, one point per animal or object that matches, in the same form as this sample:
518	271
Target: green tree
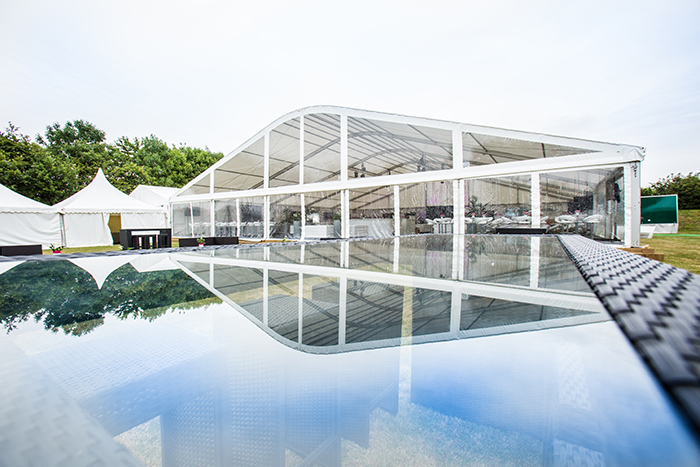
687	187
31	170
66	158
81	145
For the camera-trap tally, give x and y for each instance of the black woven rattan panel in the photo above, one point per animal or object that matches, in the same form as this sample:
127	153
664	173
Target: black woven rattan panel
656	305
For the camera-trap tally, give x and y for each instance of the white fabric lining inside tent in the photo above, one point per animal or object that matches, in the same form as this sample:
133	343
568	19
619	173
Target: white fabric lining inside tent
24	221
86	214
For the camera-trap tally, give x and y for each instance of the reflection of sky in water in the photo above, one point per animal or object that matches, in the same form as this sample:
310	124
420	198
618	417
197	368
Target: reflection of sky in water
211	385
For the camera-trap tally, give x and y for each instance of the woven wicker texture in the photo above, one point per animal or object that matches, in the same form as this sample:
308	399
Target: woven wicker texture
656	305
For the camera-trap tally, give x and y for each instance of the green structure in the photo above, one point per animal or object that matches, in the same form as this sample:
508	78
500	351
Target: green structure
661	211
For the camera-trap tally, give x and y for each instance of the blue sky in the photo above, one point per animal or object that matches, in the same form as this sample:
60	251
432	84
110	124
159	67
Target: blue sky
213	73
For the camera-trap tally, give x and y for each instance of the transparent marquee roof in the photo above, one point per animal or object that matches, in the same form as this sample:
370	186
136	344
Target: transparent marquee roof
321	144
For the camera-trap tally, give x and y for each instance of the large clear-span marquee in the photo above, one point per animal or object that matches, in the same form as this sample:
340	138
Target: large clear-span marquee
333	172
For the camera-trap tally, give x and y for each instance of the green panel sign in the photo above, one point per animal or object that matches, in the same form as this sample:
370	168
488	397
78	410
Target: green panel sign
662	209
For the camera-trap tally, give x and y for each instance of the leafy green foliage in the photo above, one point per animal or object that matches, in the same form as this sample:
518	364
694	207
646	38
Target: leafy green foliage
64	296
686	187
66	158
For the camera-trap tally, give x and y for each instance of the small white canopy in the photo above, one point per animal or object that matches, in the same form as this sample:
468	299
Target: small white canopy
86	213
24	221
157	196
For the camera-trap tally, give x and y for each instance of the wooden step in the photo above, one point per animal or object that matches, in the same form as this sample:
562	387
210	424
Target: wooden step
645	252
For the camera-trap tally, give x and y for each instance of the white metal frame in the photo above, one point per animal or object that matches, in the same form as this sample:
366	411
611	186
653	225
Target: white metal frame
605	155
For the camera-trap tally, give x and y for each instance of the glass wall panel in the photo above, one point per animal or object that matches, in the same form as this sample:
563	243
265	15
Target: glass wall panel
372	212
182	220
285	216
242	172
325	254
556	271
201	219
486	312
426	208
226	218
588	202
490	203
284	154
375	303
288	254
283	303
498	259
426	256
323	214
321	147
320	310
372	256
384	148
382	311
480	149
252	217
244	286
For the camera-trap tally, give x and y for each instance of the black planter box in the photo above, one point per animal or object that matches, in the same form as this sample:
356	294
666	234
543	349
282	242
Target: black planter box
20	250
187	241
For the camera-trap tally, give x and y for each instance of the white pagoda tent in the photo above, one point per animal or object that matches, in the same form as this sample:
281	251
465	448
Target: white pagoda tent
86	215
24	221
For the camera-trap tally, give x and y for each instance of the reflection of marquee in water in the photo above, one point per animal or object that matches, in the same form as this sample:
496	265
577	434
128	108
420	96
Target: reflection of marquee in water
327	308
227	394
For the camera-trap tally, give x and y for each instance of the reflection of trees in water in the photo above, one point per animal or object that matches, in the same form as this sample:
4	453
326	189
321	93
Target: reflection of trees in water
63	295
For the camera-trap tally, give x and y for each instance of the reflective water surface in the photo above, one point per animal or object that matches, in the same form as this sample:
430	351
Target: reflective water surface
432	350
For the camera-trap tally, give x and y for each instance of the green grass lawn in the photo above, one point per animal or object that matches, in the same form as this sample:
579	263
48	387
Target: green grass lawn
94	249
681	250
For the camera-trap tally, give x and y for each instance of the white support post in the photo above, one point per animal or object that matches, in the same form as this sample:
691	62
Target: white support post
266	292
460	240
534	262
457	253
301	150
266	217
457	153
633	208
266	161
303	217
456	312
212	218
458	207
343	147
345	213
397	249
535	201
343	309
344	255
397	211
191	221
238	217
301	308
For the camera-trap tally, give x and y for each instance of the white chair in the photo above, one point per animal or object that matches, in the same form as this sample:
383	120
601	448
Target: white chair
591	221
